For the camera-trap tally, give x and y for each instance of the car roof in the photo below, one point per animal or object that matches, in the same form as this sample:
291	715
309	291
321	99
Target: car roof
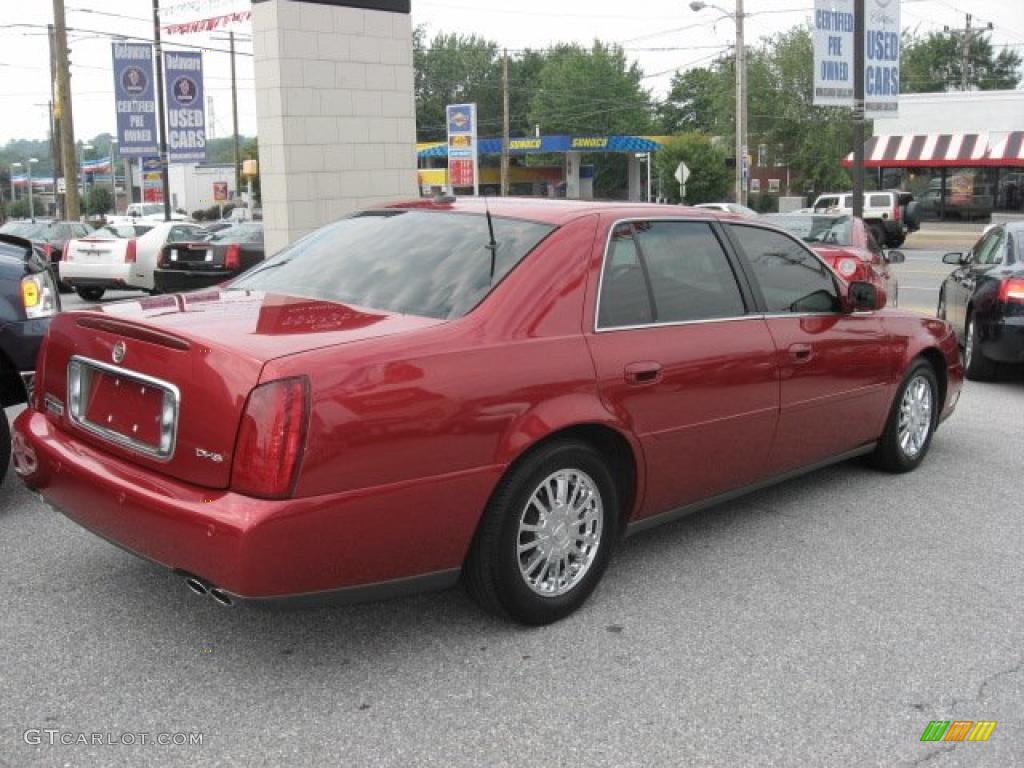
560	211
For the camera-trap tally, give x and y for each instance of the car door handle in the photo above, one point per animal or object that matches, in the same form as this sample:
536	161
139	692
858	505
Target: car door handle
801	353
640	373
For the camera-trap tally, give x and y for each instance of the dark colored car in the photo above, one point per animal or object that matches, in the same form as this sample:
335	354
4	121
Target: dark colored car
983	299
28	299
49	237
433	389
848	245
204	263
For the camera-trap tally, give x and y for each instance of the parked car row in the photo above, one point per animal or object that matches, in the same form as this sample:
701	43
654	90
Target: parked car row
159	257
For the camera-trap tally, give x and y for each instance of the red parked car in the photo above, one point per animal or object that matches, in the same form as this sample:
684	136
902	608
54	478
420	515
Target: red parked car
847	244
430	390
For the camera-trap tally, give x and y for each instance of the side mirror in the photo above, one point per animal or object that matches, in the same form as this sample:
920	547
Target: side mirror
862	297
954	258
895	257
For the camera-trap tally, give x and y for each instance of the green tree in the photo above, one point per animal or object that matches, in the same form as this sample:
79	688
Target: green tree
696	102
709	180
99	201
455	69
19	208
935	63
590	91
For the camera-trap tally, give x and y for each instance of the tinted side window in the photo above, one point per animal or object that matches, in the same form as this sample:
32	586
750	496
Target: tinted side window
990	249
879	201
666	272
690	275
792	279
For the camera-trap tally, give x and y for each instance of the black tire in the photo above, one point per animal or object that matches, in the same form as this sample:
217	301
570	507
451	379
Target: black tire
897	240
492	571
890	453
977	367
5	447
90	293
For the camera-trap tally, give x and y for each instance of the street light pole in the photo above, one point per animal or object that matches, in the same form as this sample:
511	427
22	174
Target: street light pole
741	94
13	166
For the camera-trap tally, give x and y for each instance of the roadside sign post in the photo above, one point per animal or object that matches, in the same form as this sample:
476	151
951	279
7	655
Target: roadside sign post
681	175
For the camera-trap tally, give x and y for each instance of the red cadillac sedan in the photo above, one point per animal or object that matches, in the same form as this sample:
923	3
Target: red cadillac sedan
435	390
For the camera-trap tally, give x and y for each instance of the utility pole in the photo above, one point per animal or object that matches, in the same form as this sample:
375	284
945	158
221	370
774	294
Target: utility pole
63	113
858	108
504	124
741	108
161	110
55	123
234	119
967	36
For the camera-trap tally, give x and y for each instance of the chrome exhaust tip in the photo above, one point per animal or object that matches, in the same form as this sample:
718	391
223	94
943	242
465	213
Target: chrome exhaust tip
219	597
196	585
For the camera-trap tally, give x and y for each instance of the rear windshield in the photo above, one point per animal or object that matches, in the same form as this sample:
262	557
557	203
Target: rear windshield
835	230
121	230
432	264
241	233
25	229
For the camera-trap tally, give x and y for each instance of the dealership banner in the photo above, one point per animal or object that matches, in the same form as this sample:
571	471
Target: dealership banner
833	53
135	98
186	116
462	147
882	58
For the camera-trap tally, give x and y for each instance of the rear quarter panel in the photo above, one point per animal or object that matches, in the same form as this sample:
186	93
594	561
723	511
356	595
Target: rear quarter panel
914	336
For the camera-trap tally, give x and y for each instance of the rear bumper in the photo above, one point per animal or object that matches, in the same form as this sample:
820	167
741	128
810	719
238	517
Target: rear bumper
82	275
173	280
256	548
1003	340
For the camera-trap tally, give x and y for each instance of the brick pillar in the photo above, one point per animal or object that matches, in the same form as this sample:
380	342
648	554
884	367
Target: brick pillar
335	110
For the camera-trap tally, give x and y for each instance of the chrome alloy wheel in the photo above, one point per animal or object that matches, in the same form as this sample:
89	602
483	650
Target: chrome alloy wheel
559	532
915	416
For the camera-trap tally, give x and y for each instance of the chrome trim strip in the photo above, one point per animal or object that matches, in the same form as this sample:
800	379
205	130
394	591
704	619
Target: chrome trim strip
706	219
115	437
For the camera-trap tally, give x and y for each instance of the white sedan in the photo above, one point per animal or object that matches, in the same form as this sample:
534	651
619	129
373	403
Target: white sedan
120	256
736	208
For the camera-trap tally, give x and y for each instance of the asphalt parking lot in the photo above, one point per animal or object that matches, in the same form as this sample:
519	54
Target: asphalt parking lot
823	622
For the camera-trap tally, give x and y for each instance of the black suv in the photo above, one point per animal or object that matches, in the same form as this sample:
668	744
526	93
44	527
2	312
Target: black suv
28	299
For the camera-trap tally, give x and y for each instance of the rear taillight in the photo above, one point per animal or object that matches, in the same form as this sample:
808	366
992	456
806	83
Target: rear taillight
38	295
165	257
271	439
130	252
1012	290
47	251
897	211
233	257
65	251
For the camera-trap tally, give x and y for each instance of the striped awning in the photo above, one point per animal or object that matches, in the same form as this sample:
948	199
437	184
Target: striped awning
937	150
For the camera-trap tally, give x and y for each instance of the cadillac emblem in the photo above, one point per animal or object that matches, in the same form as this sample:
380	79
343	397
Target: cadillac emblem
118	354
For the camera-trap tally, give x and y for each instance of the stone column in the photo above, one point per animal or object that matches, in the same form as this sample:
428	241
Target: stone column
572	175
335	110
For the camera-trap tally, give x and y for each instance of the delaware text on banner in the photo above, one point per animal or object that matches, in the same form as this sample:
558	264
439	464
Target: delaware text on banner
186	119
135	98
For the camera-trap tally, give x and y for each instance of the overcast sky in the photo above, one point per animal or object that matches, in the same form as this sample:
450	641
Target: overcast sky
662	35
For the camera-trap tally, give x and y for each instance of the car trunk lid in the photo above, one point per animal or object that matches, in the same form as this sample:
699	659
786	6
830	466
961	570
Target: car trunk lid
162	382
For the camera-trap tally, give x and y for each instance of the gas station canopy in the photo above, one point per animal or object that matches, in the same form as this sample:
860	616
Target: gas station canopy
534	145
